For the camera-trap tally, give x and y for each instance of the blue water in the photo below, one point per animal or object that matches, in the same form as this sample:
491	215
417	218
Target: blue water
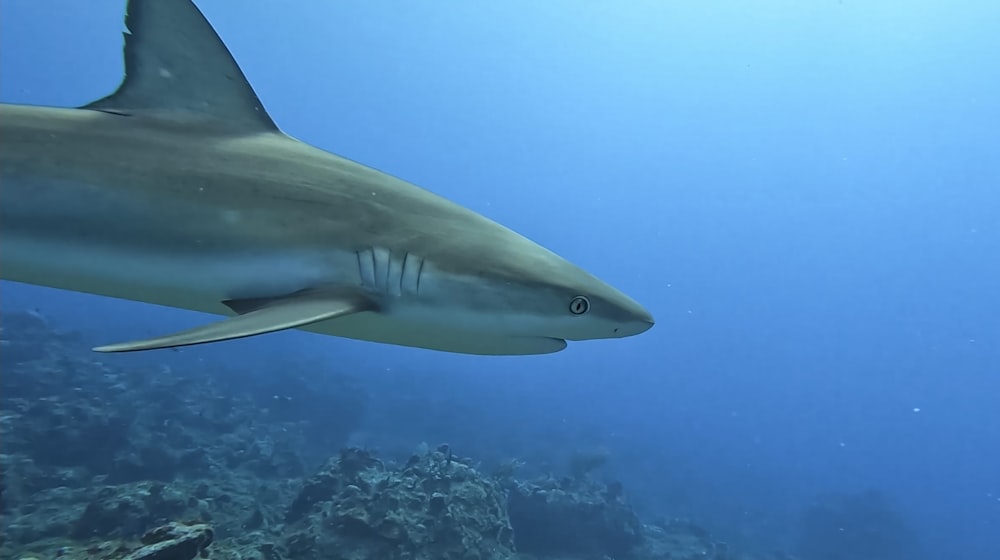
805	194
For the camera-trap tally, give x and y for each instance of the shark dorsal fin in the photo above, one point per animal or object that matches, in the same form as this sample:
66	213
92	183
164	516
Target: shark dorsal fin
175	64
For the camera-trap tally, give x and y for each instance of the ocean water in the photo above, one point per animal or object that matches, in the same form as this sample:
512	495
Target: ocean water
805	194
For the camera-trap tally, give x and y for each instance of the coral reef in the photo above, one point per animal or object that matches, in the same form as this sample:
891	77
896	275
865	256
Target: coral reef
678	539
91	452
103	463
572	516
434	507
174	541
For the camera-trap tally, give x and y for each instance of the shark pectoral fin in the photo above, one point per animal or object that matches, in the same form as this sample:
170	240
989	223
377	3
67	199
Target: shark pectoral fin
176	65
259	316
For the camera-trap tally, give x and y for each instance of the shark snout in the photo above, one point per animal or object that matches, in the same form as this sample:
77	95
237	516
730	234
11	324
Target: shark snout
633	318
637	325
645	317
646	323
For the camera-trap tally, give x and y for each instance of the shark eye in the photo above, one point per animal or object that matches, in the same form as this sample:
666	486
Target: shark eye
579	305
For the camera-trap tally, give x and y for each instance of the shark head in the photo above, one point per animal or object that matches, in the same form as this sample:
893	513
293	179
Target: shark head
518	290
445	277
552	310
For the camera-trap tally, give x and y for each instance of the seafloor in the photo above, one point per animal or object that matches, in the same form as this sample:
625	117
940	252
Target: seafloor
99	462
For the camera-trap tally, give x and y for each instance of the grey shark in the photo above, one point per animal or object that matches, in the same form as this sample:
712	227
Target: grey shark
178	189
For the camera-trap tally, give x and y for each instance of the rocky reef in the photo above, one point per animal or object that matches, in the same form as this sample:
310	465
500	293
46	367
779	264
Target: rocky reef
436	506
573	516
102	463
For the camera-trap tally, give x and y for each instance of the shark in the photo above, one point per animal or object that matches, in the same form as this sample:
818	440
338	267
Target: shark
178	189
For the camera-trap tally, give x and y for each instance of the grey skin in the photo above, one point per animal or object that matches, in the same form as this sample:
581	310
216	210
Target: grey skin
179	190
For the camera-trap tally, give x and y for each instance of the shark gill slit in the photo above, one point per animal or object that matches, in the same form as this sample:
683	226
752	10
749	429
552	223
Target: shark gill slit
402	273
366	268
394	277
409	278
420	274
384	272
383	260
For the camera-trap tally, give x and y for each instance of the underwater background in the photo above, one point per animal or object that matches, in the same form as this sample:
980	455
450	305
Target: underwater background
805	194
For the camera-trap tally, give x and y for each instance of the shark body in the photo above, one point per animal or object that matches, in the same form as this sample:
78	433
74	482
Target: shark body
179	190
